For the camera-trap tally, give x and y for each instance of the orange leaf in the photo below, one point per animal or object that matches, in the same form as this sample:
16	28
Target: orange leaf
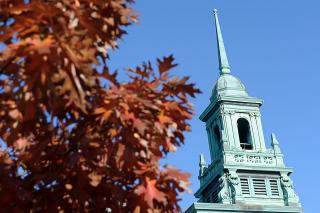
21	143
15	114
164	119
119	155
151	192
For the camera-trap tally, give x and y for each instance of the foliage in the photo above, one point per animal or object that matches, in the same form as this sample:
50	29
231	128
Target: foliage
77	138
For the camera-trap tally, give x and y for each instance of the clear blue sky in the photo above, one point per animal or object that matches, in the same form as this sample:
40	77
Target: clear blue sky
273	47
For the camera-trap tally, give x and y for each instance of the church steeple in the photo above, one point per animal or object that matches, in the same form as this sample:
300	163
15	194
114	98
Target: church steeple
243	175
222	54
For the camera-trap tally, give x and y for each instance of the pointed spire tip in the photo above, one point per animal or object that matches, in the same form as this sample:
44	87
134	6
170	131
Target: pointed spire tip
222	55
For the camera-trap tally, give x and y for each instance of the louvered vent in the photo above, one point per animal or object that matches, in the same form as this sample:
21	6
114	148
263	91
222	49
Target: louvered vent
245	186
274	187
259	186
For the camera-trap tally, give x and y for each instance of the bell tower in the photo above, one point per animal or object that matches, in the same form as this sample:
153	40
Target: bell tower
243	176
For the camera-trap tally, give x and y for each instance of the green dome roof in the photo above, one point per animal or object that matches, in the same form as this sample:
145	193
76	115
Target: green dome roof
228	85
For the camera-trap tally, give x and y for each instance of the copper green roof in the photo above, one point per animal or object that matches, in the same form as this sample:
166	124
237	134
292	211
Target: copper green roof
227	84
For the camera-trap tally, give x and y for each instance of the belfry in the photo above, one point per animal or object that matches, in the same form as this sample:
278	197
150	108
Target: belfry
244	175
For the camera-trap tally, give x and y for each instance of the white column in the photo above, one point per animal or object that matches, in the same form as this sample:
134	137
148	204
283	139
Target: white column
235	132
260	130
229	129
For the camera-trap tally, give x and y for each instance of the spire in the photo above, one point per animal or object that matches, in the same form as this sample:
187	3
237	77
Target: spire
223	59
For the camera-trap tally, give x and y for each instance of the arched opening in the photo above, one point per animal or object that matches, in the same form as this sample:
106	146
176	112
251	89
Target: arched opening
244	134
217	135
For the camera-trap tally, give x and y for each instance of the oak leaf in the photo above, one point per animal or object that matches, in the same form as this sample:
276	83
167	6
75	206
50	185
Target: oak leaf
150	192
166	64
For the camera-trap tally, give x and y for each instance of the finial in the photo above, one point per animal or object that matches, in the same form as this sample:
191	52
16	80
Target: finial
202	165
275	143
202	161
274	140
223	59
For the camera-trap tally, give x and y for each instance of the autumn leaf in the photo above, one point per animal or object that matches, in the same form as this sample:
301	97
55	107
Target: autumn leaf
166	64
15	114
111	77
95	179
42	46
163	119
119	155
140	125
104	113
150	192
22	143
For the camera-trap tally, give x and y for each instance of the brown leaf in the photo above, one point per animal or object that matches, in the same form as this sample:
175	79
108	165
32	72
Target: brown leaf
119	155
166	64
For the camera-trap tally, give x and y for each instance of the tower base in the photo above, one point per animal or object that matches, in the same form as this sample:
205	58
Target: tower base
240	208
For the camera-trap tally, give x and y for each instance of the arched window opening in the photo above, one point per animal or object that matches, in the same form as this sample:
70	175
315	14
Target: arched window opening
217	135
244	134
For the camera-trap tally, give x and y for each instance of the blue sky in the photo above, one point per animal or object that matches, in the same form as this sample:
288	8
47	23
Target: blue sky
273	47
